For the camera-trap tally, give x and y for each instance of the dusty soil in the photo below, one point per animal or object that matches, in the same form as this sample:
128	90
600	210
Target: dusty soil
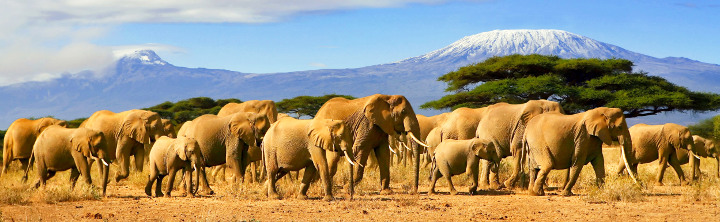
129	205
127	202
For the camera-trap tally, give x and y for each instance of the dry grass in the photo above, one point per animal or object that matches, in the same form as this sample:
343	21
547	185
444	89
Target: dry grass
616	188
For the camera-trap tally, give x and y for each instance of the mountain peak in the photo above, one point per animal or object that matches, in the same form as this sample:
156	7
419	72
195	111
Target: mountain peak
478	47
143	56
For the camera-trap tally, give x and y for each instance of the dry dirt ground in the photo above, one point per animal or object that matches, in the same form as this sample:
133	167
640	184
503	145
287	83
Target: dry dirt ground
126	201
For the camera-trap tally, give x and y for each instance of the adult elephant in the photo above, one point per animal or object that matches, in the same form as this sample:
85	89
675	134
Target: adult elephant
658	142
226	140
372	120
20	137
60	149
504	124
168	128
128	133
292	145
558	141
264	107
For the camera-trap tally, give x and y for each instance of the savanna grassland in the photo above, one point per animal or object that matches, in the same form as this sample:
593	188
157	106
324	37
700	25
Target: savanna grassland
619	198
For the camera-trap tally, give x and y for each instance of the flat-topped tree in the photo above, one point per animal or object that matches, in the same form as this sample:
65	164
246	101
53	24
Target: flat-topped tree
577	84
306	105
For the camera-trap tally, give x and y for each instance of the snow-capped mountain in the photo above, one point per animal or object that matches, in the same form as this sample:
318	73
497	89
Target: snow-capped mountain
141	79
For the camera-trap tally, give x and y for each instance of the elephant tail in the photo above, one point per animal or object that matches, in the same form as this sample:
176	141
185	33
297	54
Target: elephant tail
524	154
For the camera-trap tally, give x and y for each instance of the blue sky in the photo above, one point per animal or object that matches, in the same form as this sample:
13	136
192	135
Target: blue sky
263	36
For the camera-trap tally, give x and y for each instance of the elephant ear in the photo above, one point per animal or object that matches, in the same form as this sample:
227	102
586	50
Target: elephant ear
81	145
134	128
180	149
481	148
320	135
44	123
597	125
378	112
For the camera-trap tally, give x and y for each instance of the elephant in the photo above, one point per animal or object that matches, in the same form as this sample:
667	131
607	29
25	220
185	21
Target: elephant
653	142
292	145
371	120
59	149
706	148
453	157
701	148
462	123
168	128
167	157
128	133
264	107
504	125
557	141
21	136
226	140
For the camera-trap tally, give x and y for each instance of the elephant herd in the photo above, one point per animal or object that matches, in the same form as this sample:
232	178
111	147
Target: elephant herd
537	135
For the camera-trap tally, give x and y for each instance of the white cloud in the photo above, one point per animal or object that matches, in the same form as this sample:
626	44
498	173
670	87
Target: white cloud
41	39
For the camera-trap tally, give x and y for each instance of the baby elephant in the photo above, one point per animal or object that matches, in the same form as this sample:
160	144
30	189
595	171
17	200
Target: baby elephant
453	157
59	149
169	155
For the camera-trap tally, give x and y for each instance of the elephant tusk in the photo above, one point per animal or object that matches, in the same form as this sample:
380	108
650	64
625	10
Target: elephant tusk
195	168
349	161
104	163
406	147
627	165
391	149
417	140
696	156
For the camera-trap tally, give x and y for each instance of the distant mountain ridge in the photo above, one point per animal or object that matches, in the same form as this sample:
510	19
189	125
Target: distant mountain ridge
143	79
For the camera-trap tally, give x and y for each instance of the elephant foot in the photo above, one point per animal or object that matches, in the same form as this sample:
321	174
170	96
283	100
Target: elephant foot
206	192
496	185
148	191
658	183
274	196
328	198
685	182
484	185
432	192
509	184
302	197
472	191
453	192
534	192
386	191
567	193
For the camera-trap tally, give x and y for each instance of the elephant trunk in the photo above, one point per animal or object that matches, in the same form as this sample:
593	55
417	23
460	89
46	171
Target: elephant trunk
626	145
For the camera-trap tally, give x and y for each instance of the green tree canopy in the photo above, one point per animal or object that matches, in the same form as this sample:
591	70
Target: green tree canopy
306	105
707	128
577	84
189	109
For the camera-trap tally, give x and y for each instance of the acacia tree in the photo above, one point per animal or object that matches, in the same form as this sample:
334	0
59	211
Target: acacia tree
306	105
577	84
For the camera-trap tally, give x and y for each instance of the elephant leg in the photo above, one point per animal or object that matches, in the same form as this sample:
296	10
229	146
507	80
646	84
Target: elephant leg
74	175
472	168
598	165
7	158
24	163
510	182
532	176
383	157
171	180
203	182
453	191
42	176
253	172
493	177
307	179
633	168
435	175
566	178
675	164
484	174
272	172
124	148
151	179
333	158
139	159
575	170
318	157
359	170
158	186
662	164
537	188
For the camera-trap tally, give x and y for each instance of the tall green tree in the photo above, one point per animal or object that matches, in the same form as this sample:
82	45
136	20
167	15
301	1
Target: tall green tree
306	105
189	109
577	84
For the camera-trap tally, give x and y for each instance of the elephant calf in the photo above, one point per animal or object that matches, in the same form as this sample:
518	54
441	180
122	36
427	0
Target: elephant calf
453	157
59	149
170	155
